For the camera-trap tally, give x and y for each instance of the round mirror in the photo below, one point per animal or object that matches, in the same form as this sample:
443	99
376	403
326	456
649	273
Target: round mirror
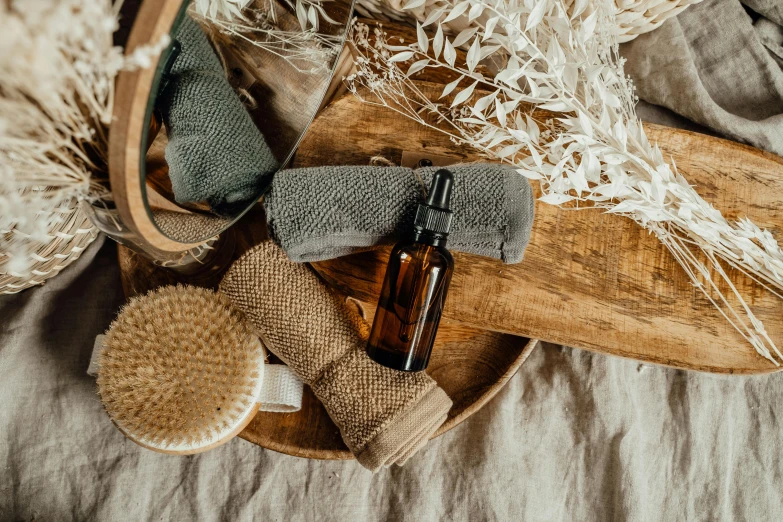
232	95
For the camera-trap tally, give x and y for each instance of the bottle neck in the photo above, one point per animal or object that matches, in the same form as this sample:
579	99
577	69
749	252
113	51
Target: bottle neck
428	237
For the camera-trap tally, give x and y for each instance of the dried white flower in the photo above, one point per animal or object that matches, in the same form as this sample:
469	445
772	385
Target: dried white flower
225	9
57	70
268	26
543	54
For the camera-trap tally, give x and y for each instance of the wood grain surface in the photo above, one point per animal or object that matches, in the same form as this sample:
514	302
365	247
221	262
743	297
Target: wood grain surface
588	280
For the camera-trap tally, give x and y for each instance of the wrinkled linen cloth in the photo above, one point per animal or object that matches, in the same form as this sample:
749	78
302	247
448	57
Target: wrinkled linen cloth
718	65
573	436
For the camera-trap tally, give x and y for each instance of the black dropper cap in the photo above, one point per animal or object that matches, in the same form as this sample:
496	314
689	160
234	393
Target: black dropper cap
433	217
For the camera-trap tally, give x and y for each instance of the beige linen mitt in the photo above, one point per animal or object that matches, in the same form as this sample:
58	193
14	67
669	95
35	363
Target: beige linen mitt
384	415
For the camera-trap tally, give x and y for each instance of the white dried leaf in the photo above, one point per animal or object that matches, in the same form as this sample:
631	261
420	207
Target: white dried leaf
301	14
423	40
537	159
587	28
458	11
585	125
520	135
537	14
593	166
578	8
490	27
451	86
556	199
500	113
464	36
401	57
488	50
509	150
474	53
475	121
437	42
413	4
570	76
530	174
449	53
417	66
484	102
532	129
464	95
577	178
475	11
555	106
434	16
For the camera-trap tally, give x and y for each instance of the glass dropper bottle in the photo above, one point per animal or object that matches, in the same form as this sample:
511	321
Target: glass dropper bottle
414	288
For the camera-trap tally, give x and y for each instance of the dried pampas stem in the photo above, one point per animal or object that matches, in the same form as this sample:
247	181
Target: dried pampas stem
592	152
57	69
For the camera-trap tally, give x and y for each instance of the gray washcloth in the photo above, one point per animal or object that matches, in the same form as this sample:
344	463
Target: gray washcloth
326	212
215	152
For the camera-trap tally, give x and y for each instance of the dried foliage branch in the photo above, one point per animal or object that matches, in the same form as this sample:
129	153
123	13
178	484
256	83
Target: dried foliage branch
593	152
57	69
287	29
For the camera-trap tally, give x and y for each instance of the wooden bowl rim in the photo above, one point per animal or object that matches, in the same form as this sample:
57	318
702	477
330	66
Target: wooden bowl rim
480	401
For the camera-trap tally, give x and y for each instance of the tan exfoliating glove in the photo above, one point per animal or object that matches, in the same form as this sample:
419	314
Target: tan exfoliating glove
384	415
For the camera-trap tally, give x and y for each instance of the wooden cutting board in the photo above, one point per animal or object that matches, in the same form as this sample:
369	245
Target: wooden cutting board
588	280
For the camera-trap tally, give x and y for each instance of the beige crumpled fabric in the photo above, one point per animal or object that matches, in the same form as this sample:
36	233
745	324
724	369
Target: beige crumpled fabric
574	436
718	65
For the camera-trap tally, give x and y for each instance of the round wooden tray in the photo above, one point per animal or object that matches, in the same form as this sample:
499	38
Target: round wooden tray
470	364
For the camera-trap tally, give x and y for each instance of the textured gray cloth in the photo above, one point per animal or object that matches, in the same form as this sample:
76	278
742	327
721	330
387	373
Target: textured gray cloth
215	152
718	66
326	212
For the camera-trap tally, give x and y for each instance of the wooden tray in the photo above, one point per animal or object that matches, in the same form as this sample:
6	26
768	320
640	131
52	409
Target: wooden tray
588	280
470	364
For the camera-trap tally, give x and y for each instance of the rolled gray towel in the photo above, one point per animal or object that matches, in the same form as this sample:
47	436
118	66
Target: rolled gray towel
326	212
215	152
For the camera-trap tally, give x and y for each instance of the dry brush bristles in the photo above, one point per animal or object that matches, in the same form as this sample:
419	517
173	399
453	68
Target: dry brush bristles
180	368
593	151
57	70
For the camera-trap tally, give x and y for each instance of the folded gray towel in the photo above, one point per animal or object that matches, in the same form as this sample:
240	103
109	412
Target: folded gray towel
215	152
326	212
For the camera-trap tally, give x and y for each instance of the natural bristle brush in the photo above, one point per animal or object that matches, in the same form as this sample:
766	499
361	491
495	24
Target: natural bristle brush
180	370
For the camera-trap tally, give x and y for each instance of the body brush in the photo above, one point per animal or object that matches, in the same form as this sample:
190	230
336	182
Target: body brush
180	371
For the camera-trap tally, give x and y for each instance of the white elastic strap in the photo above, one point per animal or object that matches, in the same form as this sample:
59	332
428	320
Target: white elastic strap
281	389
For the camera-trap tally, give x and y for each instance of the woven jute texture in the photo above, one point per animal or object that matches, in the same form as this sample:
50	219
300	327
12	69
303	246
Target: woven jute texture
384	415
68	238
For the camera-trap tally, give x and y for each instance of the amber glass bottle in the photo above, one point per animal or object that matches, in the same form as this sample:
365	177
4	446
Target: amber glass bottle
415	286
